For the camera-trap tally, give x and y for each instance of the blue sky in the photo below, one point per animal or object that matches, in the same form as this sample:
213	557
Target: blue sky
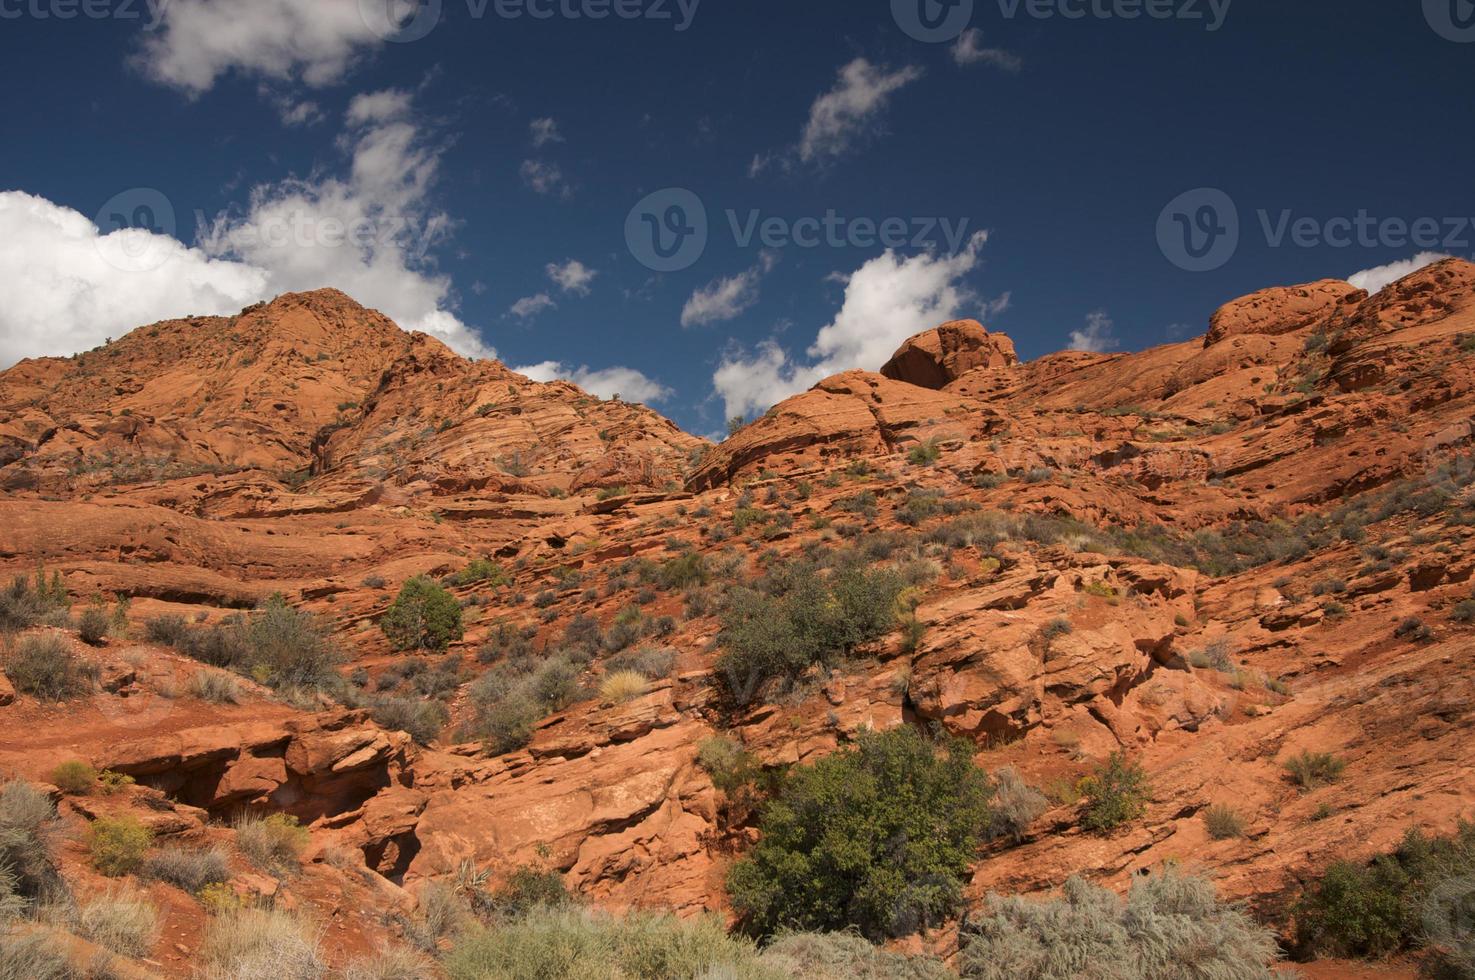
489	169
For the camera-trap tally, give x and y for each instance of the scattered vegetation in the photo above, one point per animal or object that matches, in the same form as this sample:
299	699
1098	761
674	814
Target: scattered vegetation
74	777
876	837
24	604
124	922
261	944
423	616
117	845
1170	927
44	666
275	644
273	843
28	824
422	720
189	869
1415	897
1117	793
1310	770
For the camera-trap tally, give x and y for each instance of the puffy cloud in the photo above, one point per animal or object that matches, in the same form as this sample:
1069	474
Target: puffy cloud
887	300
572	276
545	131
850	111
531	306
1096	336
69	286
727	298
545	178
197	41
969	51
367	233
1377	279
630	384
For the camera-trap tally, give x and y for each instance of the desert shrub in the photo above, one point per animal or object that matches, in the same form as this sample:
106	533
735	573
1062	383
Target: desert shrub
652	663
1171	927
188	869
440	681
1312	769
863	503
797	619
529	888
832	855
23	605
289	646
93	624
925	453
75	777
27	824
1412	897
623	685
167	630
1116	793
117	845
507	702
423	616
508	642
1224	822
123	922
481	570
34	956
1414	630
260	944
274	843
45	667
422	720
1016	805
391	963
1463	612
684	571
214	686
845	956
1215	656
565	942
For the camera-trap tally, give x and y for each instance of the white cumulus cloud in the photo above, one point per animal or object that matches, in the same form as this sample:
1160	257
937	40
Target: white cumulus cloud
1096	336
969	51
1377	279
887	300
195	42
368	232
572	276
726	298
631	385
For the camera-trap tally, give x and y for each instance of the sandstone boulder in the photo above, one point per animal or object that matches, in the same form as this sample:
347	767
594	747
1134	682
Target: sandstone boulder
937	357
1283	309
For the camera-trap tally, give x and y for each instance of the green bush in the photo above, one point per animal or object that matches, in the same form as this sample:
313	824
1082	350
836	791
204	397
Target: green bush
925	454
23	605
798	619
423	616
1463	612
75	777
511	698
527	889
684	571
45	667
876	837
1116	793
1171	927
289	646
1403	900
1310	770
481	570
167	630
118	844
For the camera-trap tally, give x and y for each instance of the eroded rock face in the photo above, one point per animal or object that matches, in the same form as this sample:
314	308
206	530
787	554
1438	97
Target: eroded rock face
1283	309
937	357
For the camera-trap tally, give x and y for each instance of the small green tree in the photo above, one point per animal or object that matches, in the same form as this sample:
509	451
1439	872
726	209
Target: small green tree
877	837
1116	793
423	617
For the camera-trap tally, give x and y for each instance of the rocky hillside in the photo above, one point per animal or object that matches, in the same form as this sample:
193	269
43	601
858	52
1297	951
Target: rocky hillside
1207	558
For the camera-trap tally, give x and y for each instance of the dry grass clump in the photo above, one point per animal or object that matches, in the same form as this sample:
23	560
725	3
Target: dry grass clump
623	685
124	922
261	944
